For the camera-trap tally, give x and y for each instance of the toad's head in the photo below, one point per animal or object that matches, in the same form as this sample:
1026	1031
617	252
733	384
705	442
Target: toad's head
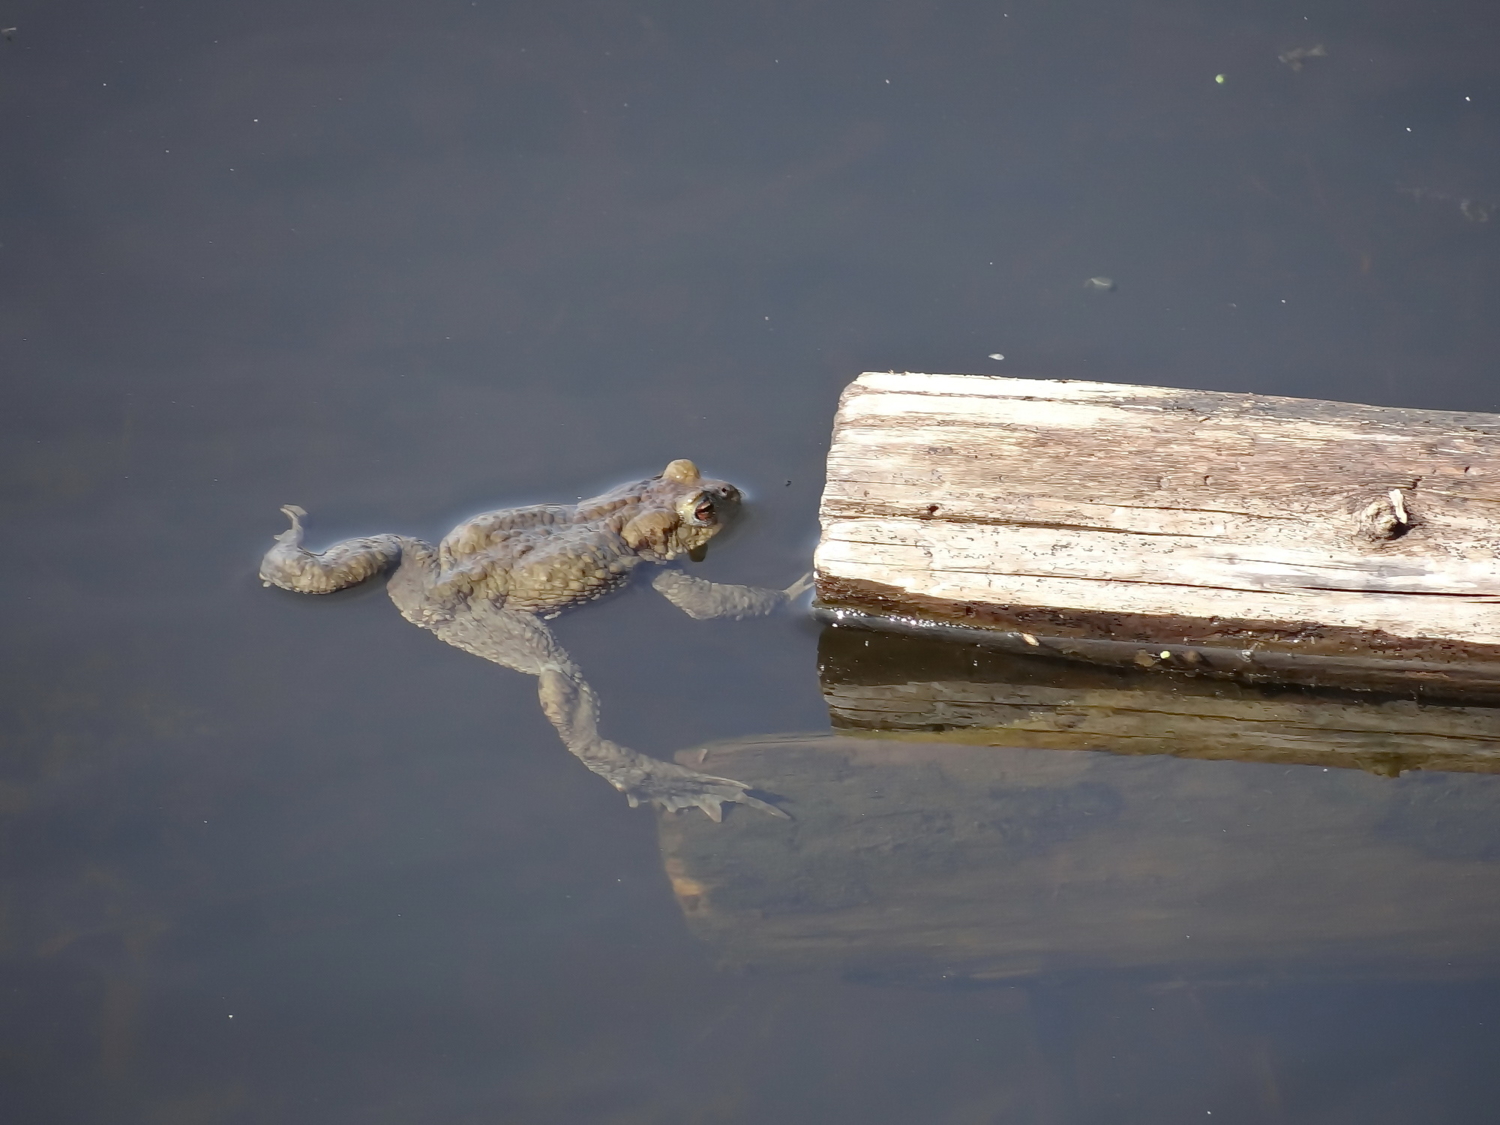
680	511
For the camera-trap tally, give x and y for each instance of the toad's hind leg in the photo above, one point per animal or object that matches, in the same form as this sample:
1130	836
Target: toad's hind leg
521	641
293	567
573	709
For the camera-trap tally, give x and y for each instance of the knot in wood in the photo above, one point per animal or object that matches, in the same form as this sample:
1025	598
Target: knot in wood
1385	517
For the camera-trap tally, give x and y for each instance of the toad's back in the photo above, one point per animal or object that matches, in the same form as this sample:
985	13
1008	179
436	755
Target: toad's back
547	558
540	567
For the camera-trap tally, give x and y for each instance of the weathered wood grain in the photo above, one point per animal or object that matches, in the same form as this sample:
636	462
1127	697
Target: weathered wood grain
1121	513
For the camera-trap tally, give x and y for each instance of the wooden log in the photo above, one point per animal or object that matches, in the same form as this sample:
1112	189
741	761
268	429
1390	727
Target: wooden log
1267	538
939	863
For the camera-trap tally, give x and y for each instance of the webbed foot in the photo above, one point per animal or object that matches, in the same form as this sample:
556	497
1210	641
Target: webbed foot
676	787
293	534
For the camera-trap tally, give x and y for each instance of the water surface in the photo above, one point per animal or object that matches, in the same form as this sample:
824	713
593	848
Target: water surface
280	859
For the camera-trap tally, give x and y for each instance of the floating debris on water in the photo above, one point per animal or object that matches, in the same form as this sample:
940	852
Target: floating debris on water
996	356
1472	209
1294	56
1102	284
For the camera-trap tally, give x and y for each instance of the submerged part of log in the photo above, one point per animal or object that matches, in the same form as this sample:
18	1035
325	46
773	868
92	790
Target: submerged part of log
1271	538
928	690
944	863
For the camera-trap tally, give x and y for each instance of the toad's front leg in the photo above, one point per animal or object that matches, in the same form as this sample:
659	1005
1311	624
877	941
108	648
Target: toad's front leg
521	641
702	599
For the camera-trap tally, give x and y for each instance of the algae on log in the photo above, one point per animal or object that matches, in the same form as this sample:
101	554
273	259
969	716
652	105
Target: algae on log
942	863
1227	534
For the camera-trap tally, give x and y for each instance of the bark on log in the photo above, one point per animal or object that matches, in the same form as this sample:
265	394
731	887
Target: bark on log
1268	538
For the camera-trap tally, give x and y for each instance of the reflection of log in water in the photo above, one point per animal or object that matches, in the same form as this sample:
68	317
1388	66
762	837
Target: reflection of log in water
936	861
897	686
959	842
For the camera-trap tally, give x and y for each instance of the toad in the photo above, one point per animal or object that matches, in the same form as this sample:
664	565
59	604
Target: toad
491	583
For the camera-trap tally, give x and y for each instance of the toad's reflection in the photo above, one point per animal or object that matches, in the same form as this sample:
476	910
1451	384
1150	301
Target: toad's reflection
492	580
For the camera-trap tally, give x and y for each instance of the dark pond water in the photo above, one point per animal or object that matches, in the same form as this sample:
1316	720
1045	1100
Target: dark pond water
280	859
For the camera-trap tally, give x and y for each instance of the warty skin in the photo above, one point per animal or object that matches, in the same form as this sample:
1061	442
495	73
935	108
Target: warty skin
488	587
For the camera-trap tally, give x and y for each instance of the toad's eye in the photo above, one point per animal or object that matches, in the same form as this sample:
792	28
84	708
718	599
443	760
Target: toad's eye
704	512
